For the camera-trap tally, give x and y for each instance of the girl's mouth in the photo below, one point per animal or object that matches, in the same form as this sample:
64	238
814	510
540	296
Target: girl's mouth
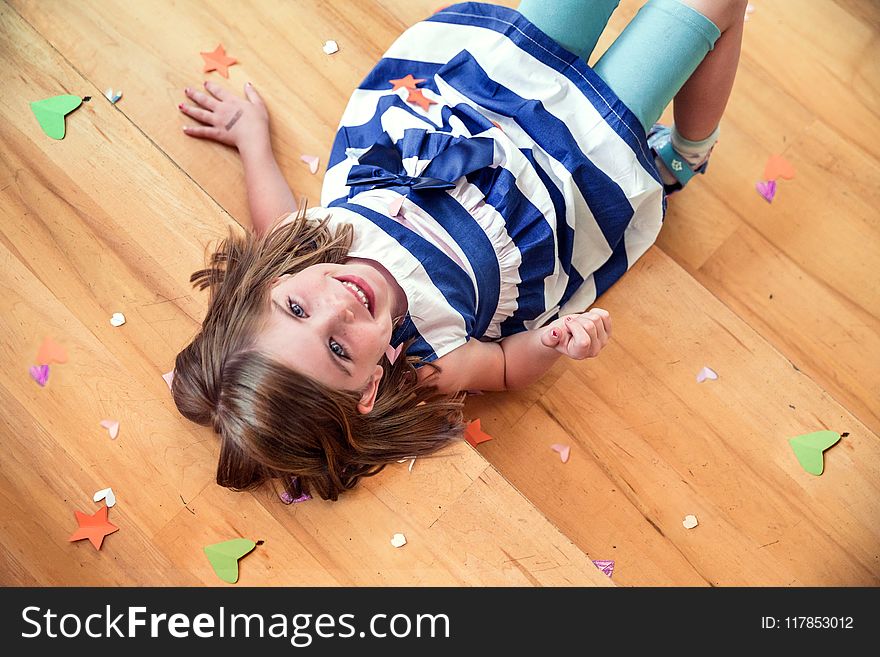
361	291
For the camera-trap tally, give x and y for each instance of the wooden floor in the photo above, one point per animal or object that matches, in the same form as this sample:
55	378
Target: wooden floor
781	299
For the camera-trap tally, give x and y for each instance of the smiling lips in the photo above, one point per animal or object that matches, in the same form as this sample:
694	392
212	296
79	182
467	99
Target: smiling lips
361	291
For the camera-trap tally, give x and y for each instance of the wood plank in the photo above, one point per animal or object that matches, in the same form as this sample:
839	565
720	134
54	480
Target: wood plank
650	445
104	221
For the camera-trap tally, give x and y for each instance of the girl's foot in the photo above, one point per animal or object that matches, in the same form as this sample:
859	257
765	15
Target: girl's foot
678	165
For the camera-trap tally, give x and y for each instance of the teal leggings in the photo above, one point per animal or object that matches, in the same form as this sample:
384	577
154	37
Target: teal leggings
650	60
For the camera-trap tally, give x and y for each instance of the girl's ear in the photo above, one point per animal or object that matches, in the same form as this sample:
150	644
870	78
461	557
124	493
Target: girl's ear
368	398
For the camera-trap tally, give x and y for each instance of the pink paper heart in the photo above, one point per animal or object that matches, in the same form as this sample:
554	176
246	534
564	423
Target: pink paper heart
394	206
606	566
563	450
112	426
393	352
312	161
767	189
40	373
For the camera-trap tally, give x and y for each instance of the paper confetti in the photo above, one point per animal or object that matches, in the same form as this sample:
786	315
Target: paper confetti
50	113
330	47
809	449
51	352
750	9
706	373
93	527
287	498
767	189
409	82
312	161
392	353
474	434
117	319
690	522
39	373
416	97
217	60
107	495
606	566
778	167
563	450
398	540
412	463
224	557
112	426
169	378
112	96
395	205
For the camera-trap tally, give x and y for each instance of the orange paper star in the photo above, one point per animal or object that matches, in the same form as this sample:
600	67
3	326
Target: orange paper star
94	527
409	82
416	97
218	61
474	434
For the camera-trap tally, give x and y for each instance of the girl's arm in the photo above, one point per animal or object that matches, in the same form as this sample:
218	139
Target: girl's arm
521	359
244	124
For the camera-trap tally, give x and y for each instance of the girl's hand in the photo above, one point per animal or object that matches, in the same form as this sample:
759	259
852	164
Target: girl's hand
579	336
227	118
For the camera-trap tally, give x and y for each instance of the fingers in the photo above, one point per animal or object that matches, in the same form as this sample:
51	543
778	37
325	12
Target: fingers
202	132
217	91
205	101
251	94
606	319
581	340
551	337
197	113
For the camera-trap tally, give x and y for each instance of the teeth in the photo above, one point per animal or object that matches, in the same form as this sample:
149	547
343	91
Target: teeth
359	292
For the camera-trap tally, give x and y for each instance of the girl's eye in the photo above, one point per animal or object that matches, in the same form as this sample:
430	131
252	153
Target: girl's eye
296	309
337	348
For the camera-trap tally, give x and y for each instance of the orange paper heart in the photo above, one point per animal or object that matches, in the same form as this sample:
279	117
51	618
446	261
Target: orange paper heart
51	352
778	167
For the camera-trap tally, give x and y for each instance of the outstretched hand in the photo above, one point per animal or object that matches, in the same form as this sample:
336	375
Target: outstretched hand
578	336
225	117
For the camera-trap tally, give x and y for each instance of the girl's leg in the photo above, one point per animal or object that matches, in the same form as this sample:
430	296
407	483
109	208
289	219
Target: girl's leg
682	49
573	24
700	102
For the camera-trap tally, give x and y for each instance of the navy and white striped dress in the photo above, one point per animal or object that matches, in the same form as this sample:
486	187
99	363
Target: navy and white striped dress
526	188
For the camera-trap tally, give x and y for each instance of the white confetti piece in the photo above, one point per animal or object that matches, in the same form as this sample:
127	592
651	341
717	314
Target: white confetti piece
113	96
563	450
690	522
112	426
398	540
706	373
411	464
169	377
331	47
312	161
117	319
107	495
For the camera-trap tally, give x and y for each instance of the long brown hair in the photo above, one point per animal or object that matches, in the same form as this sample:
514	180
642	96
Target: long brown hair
276	424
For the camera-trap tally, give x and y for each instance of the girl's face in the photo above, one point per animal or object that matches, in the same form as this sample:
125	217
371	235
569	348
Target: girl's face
332	322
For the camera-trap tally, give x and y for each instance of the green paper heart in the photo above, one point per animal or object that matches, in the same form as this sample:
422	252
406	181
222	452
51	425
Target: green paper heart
51	112
809	447
224	557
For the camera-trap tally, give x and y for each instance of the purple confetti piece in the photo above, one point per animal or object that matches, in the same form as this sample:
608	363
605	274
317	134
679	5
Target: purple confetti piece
606	567
40	374
288	499
767	189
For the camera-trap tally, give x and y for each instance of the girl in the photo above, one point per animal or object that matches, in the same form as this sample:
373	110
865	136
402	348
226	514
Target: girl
484	187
